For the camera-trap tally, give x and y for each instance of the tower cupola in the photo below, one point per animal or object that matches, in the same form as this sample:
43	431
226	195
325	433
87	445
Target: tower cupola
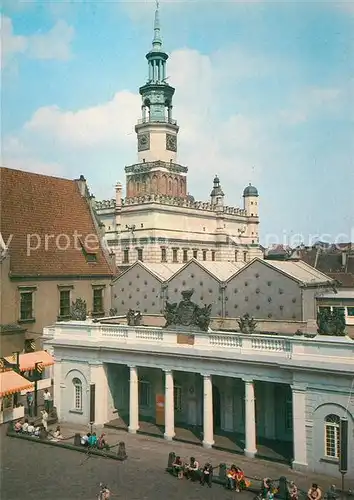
217	194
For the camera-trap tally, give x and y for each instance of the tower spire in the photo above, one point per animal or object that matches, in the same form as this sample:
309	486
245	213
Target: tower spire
157	40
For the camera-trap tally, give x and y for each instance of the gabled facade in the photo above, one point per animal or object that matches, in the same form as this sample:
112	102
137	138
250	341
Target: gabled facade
206	279
141	288
275	290
53	255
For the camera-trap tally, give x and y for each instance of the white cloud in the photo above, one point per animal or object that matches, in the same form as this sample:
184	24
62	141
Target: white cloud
54	44
98	126
11	44
18	156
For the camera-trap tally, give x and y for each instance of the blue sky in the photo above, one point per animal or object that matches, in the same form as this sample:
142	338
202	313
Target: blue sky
264	94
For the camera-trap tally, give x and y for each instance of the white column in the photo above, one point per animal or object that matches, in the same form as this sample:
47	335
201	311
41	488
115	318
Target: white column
208	428
250	419
98	377
133	400
57	389
169	406
299	426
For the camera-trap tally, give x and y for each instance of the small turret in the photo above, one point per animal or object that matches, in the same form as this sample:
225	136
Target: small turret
250	200
217	194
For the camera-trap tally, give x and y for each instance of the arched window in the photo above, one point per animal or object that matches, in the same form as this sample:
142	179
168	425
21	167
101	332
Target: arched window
332	423
77	394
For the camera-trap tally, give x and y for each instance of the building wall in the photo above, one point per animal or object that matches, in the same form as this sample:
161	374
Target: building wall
137	289
325	398
7	295
263	292
206	287
46	300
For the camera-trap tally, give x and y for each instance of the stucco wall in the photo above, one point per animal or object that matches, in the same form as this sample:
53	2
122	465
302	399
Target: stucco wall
139	290
319	404
70	371
206	287
263	293
47	299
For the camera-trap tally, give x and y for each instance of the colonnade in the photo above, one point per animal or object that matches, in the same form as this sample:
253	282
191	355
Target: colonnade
299	423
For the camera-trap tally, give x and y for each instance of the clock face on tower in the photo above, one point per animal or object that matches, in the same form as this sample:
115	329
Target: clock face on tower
143	142
171	142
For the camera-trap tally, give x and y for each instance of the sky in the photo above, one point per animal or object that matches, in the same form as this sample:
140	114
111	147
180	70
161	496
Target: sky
264	94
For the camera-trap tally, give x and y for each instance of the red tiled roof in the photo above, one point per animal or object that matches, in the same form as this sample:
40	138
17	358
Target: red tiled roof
54	210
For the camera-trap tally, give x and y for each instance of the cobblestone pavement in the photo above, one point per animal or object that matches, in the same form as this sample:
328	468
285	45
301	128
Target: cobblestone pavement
32	471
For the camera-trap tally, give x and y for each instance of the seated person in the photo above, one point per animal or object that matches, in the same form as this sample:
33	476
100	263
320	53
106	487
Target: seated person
207	475
177	467
314	492
57	434
102	443
240	481
266	488
92	440
37	431
18	426
231	477
192	469
85	438
25	425
30	428
293	491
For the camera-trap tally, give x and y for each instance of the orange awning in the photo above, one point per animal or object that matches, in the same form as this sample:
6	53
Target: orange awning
11	382
28	361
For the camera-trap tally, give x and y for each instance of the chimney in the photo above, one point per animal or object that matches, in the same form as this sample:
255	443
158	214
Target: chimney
344	258
81	183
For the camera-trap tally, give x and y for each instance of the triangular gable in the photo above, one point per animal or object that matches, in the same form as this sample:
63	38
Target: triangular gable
199	264
268	263
265	262
143	266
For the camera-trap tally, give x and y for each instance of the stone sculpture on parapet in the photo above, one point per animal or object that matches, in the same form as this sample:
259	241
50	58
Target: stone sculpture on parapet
79	310
187	315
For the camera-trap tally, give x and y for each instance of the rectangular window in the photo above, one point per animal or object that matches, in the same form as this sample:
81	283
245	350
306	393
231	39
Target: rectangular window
7	402
126	256
177	394
195	254
204	255
245	257
185	255
174	254
144	394
236	255
26	306
332	440
289	415
77	394
324	309
163	255
64	306
212	255
350	311
98	301
140	254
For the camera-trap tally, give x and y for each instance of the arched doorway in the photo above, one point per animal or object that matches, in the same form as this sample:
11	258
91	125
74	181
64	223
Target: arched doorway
216	408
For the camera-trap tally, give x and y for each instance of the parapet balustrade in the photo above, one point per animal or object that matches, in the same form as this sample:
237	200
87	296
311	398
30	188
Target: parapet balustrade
330	349
169	200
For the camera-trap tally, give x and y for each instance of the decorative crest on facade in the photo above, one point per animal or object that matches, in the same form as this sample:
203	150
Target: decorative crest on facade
79	310
187	314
